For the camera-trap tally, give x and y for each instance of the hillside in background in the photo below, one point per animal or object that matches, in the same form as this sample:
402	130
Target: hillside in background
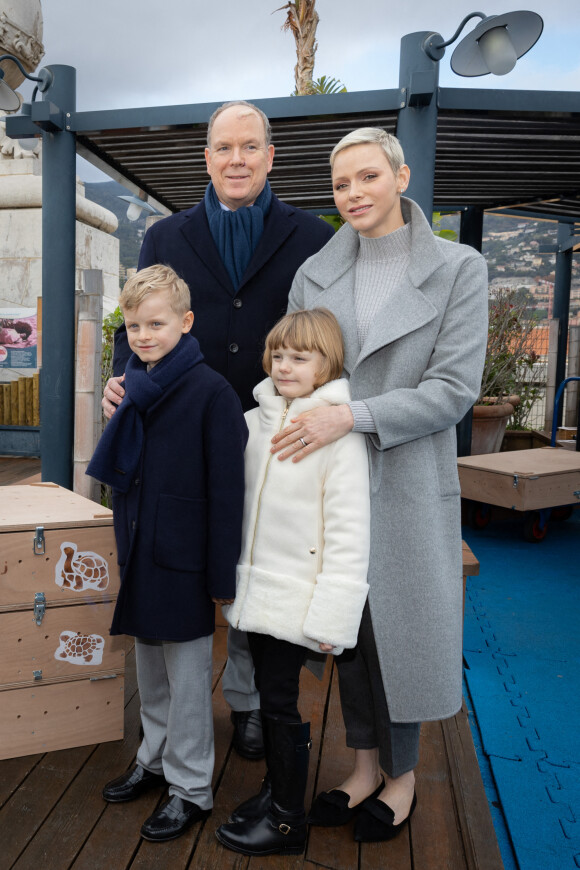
510	244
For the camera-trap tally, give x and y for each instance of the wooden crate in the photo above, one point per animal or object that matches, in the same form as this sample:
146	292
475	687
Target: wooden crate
61	673
524	480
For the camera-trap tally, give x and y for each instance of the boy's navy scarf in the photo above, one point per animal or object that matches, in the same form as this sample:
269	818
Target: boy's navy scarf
116	458
237	233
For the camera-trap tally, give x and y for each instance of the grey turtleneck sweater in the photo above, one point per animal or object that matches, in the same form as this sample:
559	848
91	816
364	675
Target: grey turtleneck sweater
380	265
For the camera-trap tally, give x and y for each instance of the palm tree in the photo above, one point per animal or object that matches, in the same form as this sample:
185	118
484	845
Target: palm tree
324	85
302	21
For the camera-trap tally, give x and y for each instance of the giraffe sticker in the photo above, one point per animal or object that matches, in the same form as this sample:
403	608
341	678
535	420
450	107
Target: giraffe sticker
80	571
80	649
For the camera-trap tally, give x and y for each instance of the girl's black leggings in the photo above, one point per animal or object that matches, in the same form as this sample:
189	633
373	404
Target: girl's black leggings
277	666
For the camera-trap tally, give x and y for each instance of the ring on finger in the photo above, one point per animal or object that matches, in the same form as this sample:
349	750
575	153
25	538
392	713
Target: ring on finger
303	442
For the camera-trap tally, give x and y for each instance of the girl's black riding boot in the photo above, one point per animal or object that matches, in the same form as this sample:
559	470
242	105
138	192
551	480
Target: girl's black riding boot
256	806
281	828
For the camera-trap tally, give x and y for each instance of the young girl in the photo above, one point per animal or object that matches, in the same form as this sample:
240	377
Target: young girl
301	580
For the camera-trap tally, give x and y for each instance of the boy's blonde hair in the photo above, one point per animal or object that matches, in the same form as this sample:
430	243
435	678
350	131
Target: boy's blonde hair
316	329
154	279
372	136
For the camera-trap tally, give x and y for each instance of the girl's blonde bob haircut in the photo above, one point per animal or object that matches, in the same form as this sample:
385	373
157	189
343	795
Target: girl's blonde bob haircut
316	329
372	136
155	279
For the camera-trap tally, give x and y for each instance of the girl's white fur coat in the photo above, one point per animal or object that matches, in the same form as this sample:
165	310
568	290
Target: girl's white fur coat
302	575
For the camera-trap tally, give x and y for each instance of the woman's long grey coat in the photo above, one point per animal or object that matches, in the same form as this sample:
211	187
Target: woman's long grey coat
419	372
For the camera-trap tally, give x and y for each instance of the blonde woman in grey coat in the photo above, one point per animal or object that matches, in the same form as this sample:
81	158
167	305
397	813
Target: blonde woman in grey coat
413	311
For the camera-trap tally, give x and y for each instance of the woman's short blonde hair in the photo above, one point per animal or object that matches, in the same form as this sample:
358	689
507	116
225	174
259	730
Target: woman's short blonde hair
372	136
316	329
154	279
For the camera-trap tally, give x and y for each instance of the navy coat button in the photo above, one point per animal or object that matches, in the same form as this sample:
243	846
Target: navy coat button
133	524
137	481
237	303
233	347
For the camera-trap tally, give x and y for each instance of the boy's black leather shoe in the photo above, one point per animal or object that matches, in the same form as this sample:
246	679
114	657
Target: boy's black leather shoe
131	784
248	739
172	819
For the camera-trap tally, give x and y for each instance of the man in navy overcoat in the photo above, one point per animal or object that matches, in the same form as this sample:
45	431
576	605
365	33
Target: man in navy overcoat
239	269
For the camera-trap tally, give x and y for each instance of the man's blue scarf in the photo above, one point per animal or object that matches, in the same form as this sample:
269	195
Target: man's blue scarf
116	458
237	233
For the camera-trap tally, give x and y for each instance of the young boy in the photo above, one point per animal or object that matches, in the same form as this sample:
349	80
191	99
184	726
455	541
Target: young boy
174	455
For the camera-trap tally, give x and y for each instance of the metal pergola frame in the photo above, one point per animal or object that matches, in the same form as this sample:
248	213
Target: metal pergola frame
470	150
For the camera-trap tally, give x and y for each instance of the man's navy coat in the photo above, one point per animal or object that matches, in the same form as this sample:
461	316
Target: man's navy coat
178	528
231	325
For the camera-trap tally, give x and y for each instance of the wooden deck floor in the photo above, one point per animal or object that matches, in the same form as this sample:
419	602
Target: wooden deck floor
19	469
52	815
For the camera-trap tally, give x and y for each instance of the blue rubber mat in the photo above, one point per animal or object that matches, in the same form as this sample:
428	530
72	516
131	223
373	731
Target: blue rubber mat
522	668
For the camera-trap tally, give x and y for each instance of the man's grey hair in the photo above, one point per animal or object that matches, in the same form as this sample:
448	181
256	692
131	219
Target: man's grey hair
375	136
249	107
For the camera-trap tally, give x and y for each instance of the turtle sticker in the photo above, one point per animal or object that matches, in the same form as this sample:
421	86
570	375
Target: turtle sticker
80	649
80	571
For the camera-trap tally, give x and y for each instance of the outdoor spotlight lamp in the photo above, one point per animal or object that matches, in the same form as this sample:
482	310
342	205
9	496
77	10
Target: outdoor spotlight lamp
136	206
29	144
9	99
494	46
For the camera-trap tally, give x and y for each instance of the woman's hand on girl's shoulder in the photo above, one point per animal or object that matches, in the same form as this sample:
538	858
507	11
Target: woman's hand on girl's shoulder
311	430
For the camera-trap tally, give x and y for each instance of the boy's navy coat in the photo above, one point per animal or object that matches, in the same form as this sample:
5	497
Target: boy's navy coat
178	528
231	325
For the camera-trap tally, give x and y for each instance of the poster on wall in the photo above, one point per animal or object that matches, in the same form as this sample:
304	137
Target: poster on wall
18	338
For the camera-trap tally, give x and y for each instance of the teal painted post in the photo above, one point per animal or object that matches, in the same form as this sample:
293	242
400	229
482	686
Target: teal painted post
561	306
470	233
417	121
58	285
471	227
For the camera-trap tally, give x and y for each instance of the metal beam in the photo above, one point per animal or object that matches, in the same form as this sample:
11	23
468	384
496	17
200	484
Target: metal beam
490	100
275	108
470	233
471	227
561	307
417	121
537	215
58	287
122	178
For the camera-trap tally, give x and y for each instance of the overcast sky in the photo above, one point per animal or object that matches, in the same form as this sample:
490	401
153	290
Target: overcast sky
139	53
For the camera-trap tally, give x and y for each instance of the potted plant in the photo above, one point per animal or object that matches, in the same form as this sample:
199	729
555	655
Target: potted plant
508	389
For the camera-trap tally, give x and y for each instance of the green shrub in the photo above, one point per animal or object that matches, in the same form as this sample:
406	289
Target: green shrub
110	324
